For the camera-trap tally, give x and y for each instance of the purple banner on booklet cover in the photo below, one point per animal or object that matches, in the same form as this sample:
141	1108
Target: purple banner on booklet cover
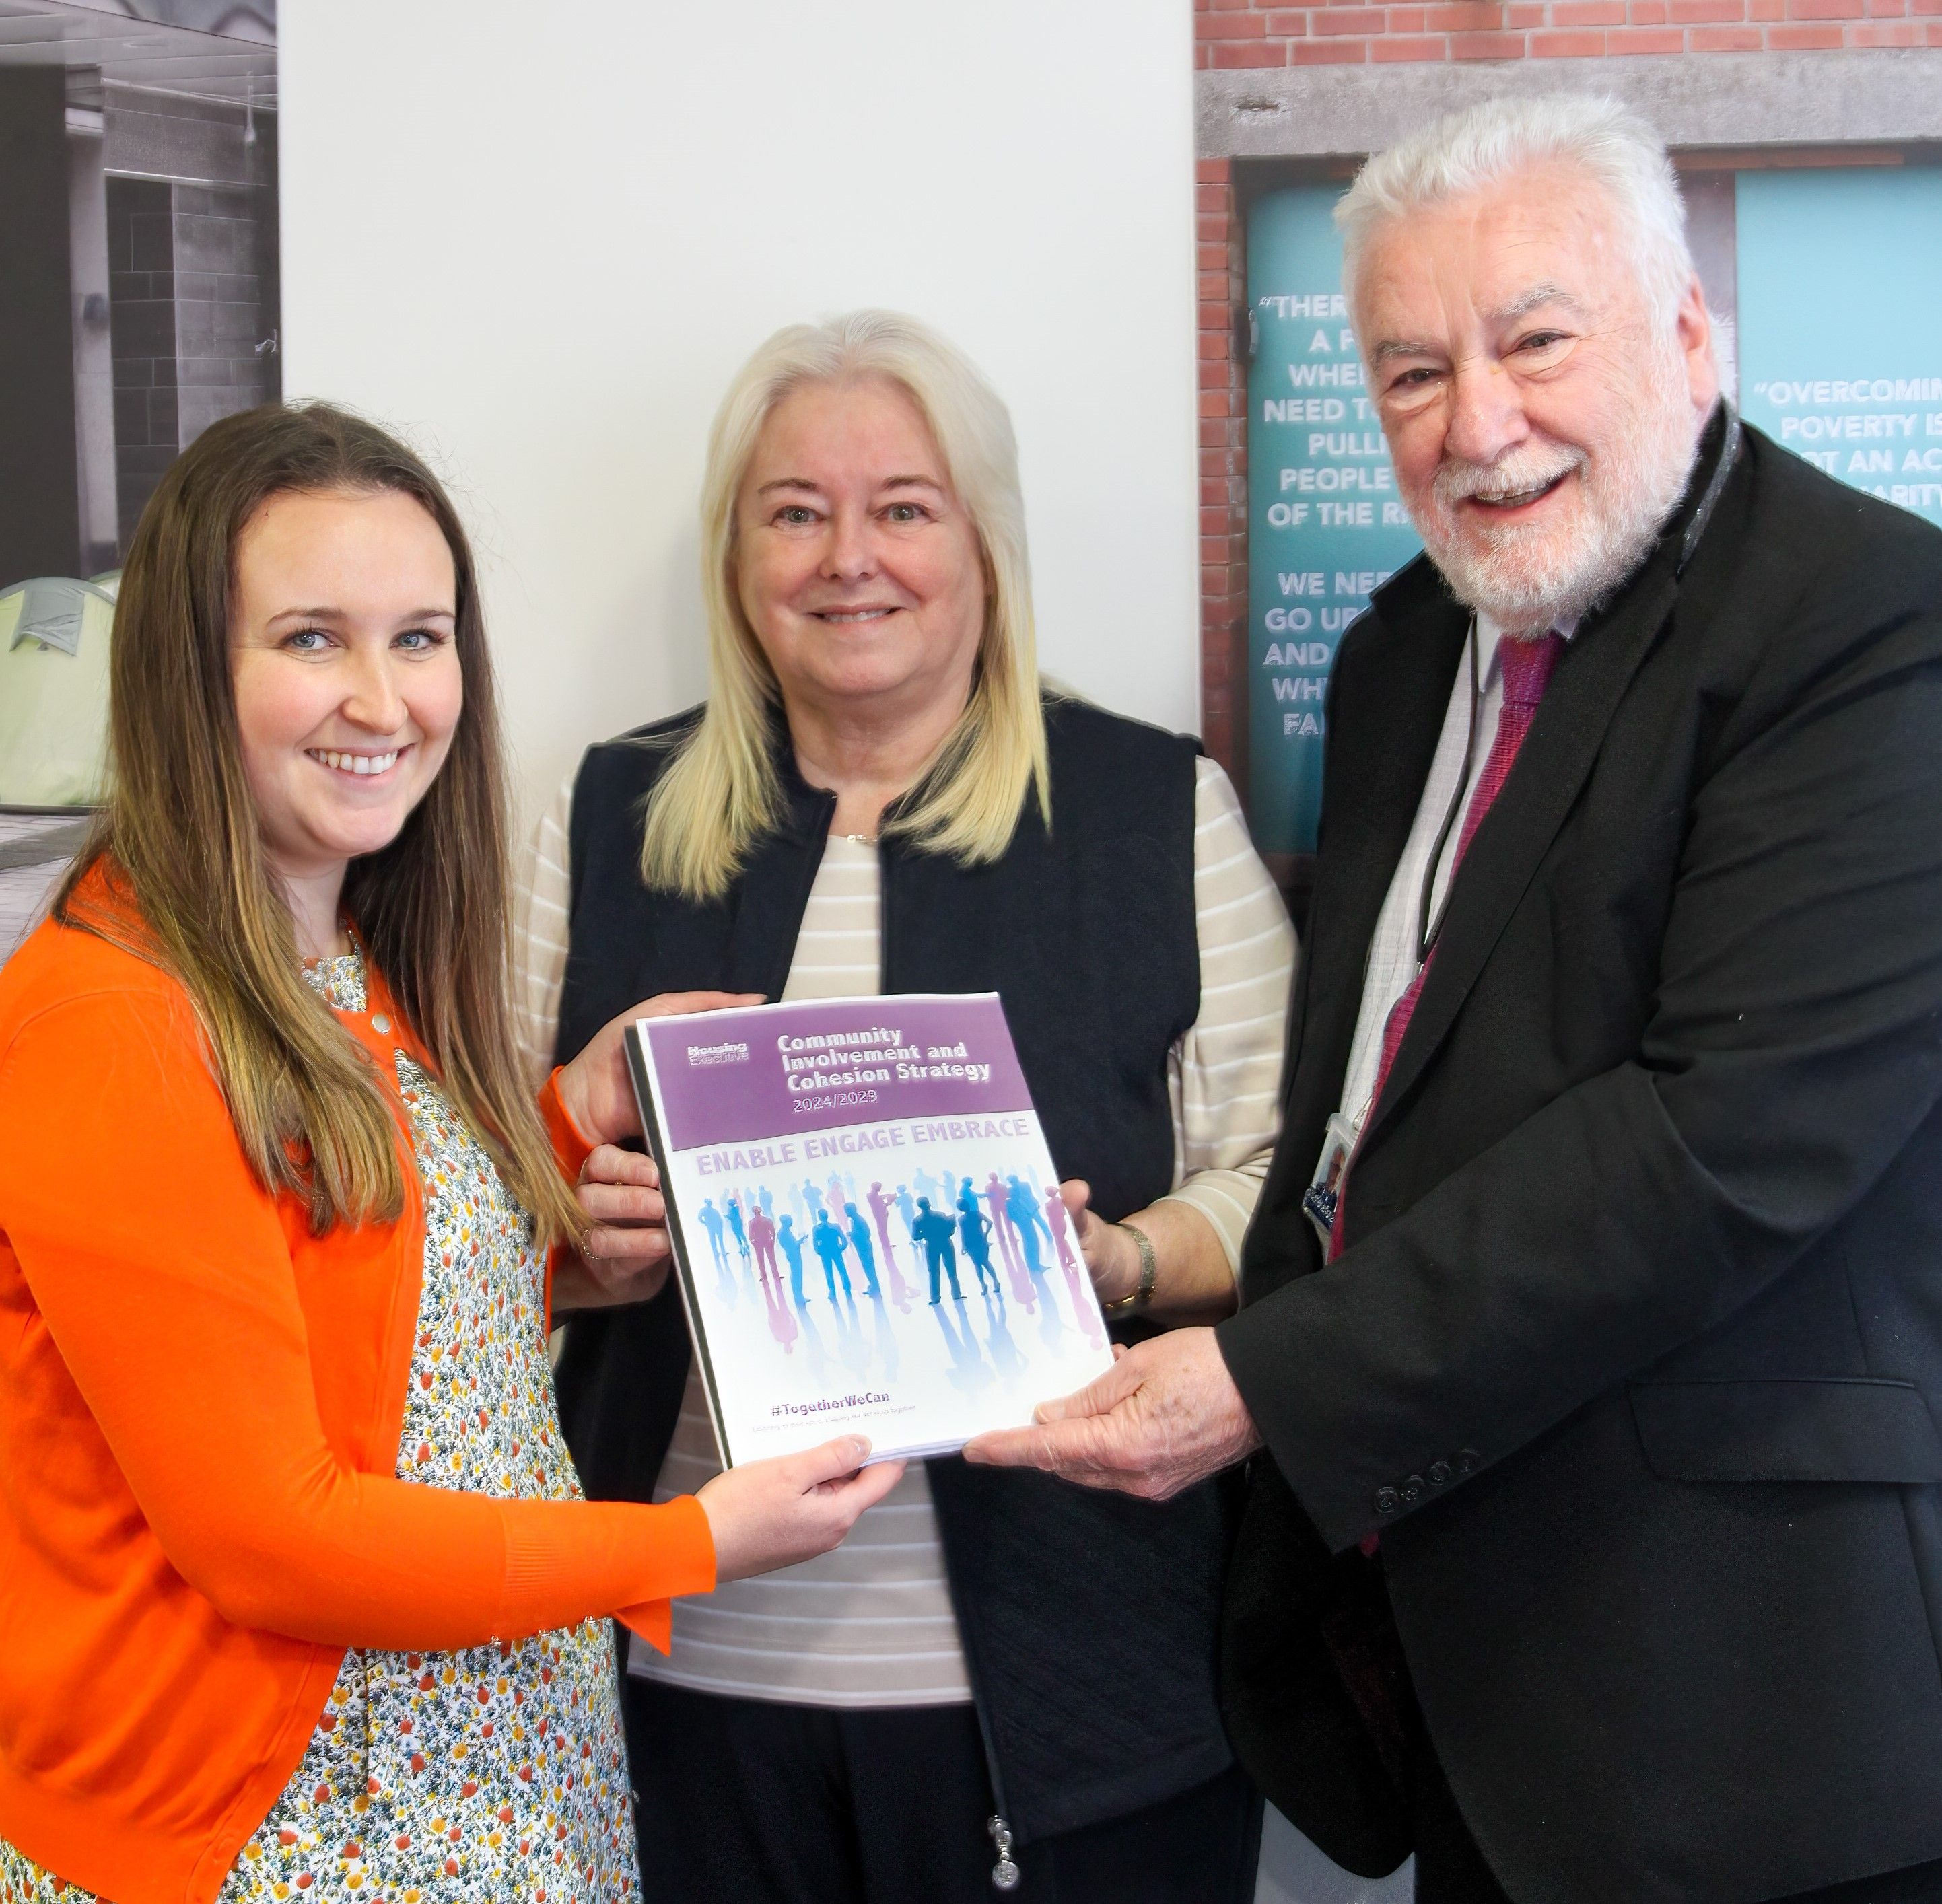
738	1077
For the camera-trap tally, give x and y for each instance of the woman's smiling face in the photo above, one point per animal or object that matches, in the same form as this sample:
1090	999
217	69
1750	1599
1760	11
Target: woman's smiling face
347	679
858	569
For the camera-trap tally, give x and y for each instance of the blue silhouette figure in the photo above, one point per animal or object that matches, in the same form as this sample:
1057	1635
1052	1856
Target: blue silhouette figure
764	1197
733	1213
791	1247
934	1231
975	1230
1022	1208
866	1256
830	1246
710	1221
907	1209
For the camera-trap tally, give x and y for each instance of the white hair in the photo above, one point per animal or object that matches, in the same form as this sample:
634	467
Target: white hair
1468	151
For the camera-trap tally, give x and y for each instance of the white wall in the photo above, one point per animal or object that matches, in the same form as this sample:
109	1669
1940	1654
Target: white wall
540	238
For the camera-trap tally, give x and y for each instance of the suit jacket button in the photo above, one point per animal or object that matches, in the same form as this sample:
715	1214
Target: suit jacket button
1441	1473
1412	1488
1466	1460
1387	1500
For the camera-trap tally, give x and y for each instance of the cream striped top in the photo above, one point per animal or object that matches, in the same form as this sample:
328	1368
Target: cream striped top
871	1623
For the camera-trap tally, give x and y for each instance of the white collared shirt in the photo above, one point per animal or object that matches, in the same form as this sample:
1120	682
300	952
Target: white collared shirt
1393	964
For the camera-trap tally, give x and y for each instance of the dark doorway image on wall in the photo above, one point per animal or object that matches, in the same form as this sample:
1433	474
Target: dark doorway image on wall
138	224
138	252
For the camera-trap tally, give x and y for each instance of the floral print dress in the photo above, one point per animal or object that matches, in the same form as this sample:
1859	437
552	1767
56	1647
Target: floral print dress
495	1772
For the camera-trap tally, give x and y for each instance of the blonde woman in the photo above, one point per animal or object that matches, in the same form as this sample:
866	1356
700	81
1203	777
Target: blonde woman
1002	1675
301	1598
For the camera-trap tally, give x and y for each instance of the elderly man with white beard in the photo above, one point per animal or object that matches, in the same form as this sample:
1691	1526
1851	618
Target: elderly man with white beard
1588	1345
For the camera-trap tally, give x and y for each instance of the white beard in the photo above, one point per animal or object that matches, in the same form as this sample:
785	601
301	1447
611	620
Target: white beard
1529	578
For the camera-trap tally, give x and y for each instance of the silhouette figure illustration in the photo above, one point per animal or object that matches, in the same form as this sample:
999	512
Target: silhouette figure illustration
974	1228
792	1244
934	1231
996	1197
1021	1206
860	1241
762	1236
710	1221
829	1245
1057	1222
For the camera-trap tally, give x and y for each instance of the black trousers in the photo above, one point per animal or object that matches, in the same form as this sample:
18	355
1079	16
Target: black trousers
743	1801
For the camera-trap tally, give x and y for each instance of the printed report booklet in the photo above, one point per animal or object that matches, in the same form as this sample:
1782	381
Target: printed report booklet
866	1223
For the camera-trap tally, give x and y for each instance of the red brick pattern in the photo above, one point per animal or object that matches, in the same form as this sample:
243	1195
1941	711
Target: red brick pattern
1224	464
1236	34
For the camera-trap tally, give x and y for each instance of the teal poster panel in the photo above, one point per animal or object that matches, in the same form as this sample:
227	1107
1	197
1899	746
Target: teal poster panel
1840	340
1325	526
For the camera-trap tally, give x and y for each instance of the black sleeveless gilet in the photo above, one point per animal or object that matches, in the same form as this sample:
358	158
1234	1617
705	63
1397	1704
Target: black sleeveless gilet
1089	1620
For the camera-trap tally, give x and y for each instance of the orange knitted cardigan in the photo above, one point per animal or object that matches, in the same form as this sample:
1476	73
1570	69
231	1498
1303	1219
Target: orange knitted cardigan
200	1408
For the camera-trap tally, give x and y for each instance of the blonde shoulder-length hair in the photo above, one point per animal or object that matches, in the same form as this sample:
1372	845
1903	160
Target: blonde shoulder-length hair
720	793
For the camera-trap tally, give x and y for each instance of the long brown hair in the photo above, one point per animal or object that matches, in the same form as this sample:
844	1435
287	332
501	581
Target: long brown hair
180	844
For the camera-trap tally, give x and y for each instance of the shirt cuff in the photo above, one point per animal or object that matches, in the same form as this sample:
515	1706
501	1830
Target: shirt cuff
598	1558
1224	1199
571	1149
654	1620
570	1145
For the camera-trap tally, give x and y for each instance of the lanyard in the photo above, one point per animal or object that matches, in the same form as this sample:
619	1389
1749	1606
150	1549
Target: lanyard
1429	930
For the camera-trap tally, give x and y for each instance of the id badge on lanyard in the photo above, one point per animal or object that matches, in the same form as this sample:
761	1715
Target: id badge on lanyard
1323	1197
1321	1200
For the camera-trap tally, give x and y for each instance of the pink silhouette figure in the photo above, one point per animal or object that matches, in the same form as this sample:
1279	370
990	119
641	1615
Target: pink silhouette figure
997	1192
1054	1221
880	1207
762	1237
1084	1306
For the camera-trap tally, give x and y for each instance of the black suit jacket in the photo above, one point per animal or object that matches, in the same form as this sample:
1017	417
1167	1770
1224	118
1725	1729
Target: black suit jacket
1633	1357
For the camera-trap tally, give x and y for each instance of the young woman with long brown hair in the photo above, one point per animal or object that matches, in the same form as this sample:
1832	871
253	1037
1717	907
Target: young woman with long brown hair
302	1598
